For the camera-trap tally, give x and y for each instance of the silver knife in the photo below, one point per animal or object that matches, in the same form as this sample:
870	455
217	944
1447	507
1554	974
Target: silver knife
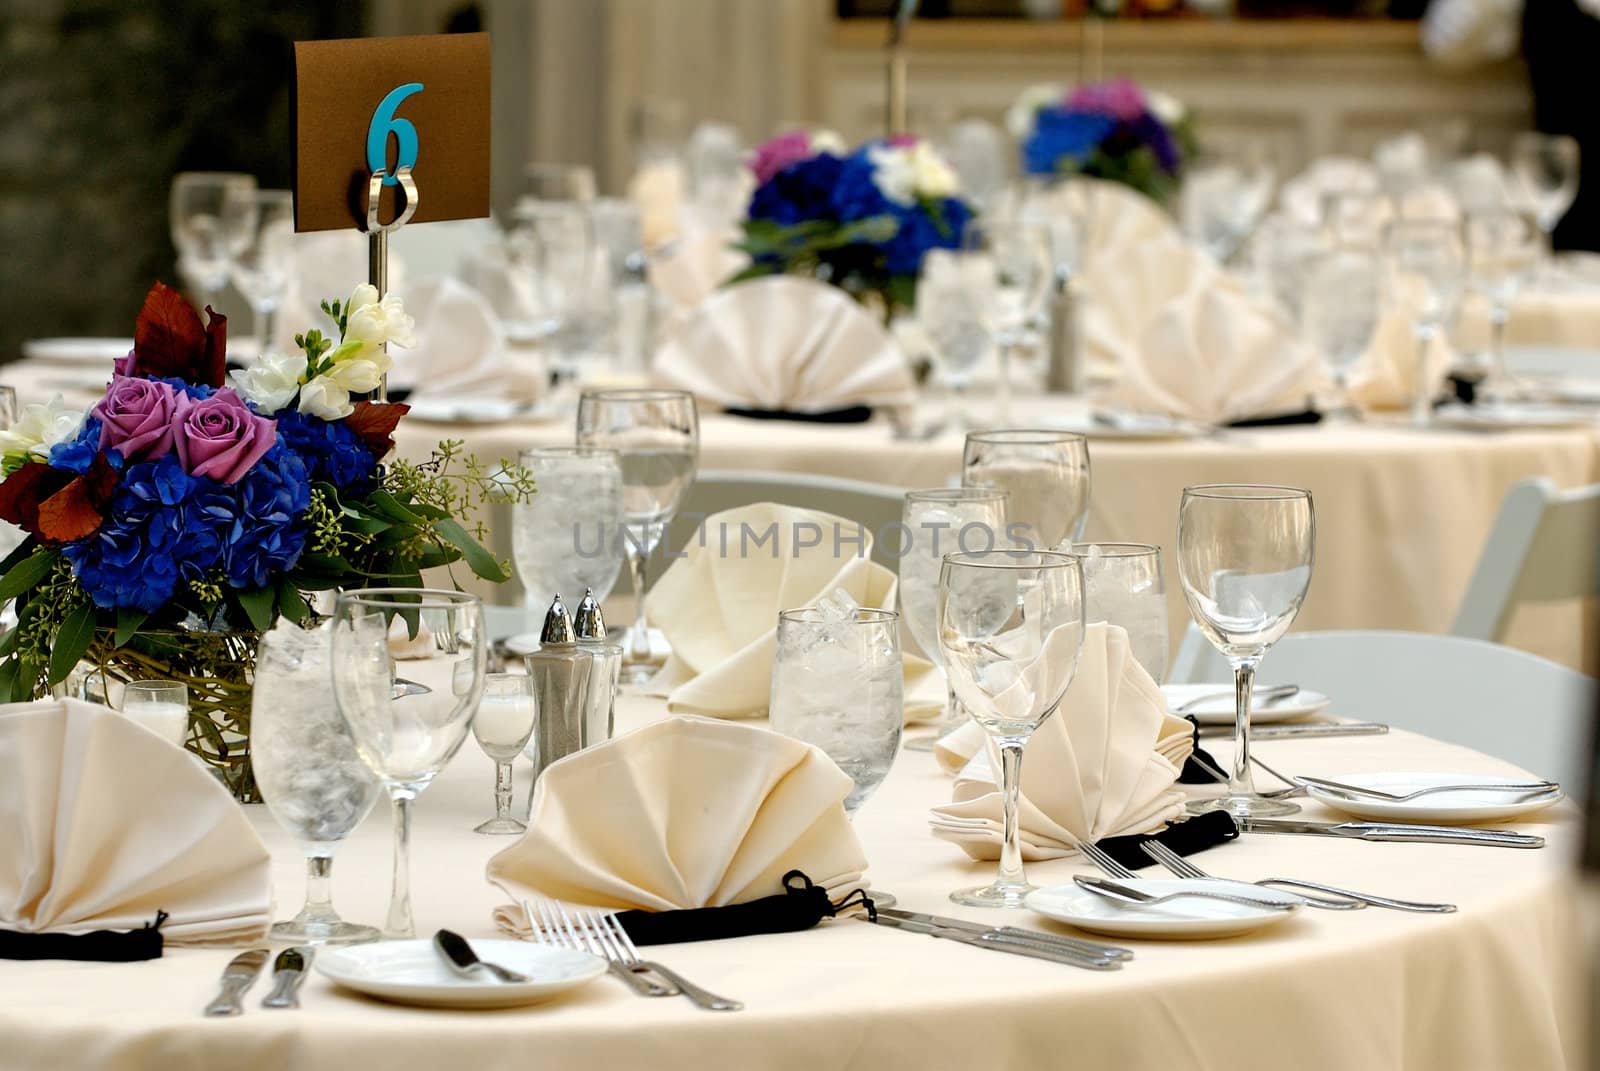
1033	950
239	976
288	974
1305	731
978	929
1396	831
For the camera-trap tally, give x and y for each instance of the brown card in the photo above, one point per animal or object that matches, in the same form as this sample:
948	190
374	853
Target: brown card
338	88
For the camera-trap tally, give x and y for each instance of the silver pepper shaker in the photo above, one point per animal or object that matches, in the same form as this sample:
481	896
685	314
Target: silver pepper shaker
606	672
560	671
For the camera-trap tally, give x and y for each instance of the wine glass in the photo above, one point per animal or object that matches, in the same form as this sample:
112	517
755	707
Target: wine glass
1427	266
1222	202
1244	558
504	722
952	298
1044	473
1544	171
837	683
1011	626
1502	249
1124	585
1339	308
211	215
263	269
935	522
656	434
408	718
570	539
1020	252
160	706
311	776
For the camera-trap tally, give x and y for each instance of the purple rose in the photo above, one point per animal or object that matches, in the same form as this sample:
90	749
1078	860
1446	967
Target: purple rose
136	418
220	437
1119	98
773	156
123	366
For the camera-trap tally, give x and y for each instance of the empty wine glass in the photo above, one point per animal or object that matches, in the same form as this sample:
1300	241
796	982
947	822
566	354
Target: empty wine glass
311	777
160	706
1544	172
264	268
1045	475
1020	251
1340	304
571	538
1502	249
1428	271
1011	627
1222	202
935	524
656	434
505	720
409	717
211	215
837	683
1124	585
1244	558
953	291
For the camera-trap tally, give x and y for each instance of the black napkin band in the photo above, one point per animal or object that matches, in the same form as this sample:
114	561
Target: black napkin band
1186	838
800	906
1280	420
855	414
1194	767
101	946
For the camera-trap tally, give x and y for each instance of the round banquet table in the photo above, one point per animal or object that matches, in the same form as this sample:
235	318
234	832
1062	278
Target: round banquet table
1496	985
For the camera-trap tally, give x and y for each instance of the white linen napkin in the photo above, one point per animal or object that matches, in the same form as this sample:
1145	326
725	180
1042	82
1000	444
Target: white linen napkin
1385	376
103	823
657	189
690	270
1106	764
682	813
1218	354
460	350
718	606
785	343
1128	289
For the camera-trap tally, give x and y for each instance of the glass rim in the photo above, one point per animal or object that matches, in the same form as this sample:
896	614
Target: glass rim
636	394
861	615
1116	549
574	450
1276	492
1026	436
958	494
156	682
1049	559
430	598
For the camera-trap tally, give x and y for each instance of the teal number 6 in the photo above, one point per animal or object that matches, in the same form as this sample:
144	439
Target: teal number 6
405	135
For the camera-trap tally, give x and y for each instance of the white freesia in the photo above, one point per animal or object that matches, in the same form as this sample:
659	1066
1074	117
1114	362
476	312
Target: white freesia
374	322
41	426
934	177
905	173
829	142
356	375
1165	107
1020	116
270	383
324	398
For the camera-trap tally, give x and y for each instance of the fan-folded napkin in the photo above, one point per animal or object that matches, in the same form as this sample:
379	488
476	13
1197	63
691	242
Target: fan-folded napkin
682	813
1106	764
690	269
103	824
1385	377
460	349
718	606
784	343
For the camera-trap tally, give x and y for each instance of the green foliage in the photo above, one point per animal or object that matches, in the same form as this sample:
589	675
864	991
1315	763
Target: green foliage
846	255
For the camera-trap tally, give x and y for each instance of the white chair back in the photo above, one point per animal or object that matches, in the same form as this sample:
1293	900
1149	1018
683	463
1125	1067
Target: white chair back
1545	546
1495	699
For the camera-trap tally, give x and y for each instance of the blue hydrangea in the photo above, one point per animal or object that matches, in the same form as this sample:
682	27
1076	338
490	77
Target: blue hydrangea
133	560
801	191
77	454
330	451
855	194
919	233
1063	134
268	532
198	391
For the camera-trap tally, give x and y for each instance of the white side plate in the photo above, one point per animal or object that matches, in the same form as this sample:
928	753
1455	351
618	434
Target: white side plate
1219	711
412	972
1190	917
1436	808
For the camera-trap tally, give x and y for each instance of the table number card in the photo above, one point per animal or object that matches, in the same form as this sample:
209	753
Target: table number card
381	103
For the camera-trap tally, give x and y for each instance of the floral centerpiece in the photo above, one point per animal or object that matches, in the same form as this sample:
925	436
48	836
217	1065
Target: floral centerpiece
1111	130
181	515
860	220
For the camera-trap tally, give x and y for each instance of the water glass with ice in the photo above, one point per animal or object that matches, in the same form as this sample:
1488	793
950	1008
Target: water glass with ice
1124	586
837	684
160	706
310	775
1045	474
570	539
505	720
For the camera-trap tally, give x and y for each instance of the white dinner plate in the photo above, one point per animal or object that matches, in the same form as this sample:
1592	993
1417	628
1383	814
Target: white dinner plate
474	410
1190	917
412	972
1219	711
1438	808
1135	426
76	350
1515	416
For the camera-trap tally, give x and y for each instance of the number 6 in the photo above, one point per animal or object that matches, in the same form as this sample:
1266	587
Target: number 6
405	135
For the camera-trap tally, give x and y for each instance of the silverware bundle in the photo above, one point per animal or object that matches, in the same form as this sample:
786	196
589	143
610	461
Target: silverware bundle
1015	940
288	974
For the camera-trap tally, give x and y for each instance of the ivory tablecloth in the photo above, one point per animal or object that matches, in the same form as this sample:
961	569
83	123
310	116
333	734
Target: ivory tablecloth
1496	986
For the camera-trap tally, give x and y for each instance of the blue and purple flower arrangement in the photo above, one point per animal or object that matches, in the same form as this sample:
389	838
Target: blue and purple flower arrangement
1111	130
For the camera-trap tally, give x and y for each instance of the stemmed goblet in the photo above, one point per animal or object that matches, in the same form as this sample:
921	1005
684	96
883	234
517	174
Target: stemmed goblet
1124	585
1244	557
1011	627
407	727
1339	308
1020	251
1502	250
1544	172
1045	475
1428	265
952	305
313	780
263	269
211	215
505	720
656	434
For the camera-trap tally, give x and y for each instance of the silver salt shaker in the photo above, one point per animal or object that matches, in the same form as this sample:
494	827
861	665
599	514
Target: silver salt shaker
560	671
605	673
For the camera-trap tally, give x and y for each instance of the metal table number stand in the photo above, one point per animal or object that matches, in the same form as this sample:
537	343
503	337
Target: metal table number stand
384	122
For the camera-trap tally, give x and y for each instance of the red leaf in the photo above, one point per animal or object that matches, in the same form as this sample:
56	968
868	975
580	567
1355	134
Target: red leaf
168	340
216	351
56	506
22	492
70	514
374	424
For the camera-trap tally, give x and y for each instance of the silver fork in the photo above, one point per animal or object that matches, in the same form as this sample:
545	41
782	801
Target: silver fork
618	945
1113	869
1102	859
1294	789
1519	789
552	926
1185	869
